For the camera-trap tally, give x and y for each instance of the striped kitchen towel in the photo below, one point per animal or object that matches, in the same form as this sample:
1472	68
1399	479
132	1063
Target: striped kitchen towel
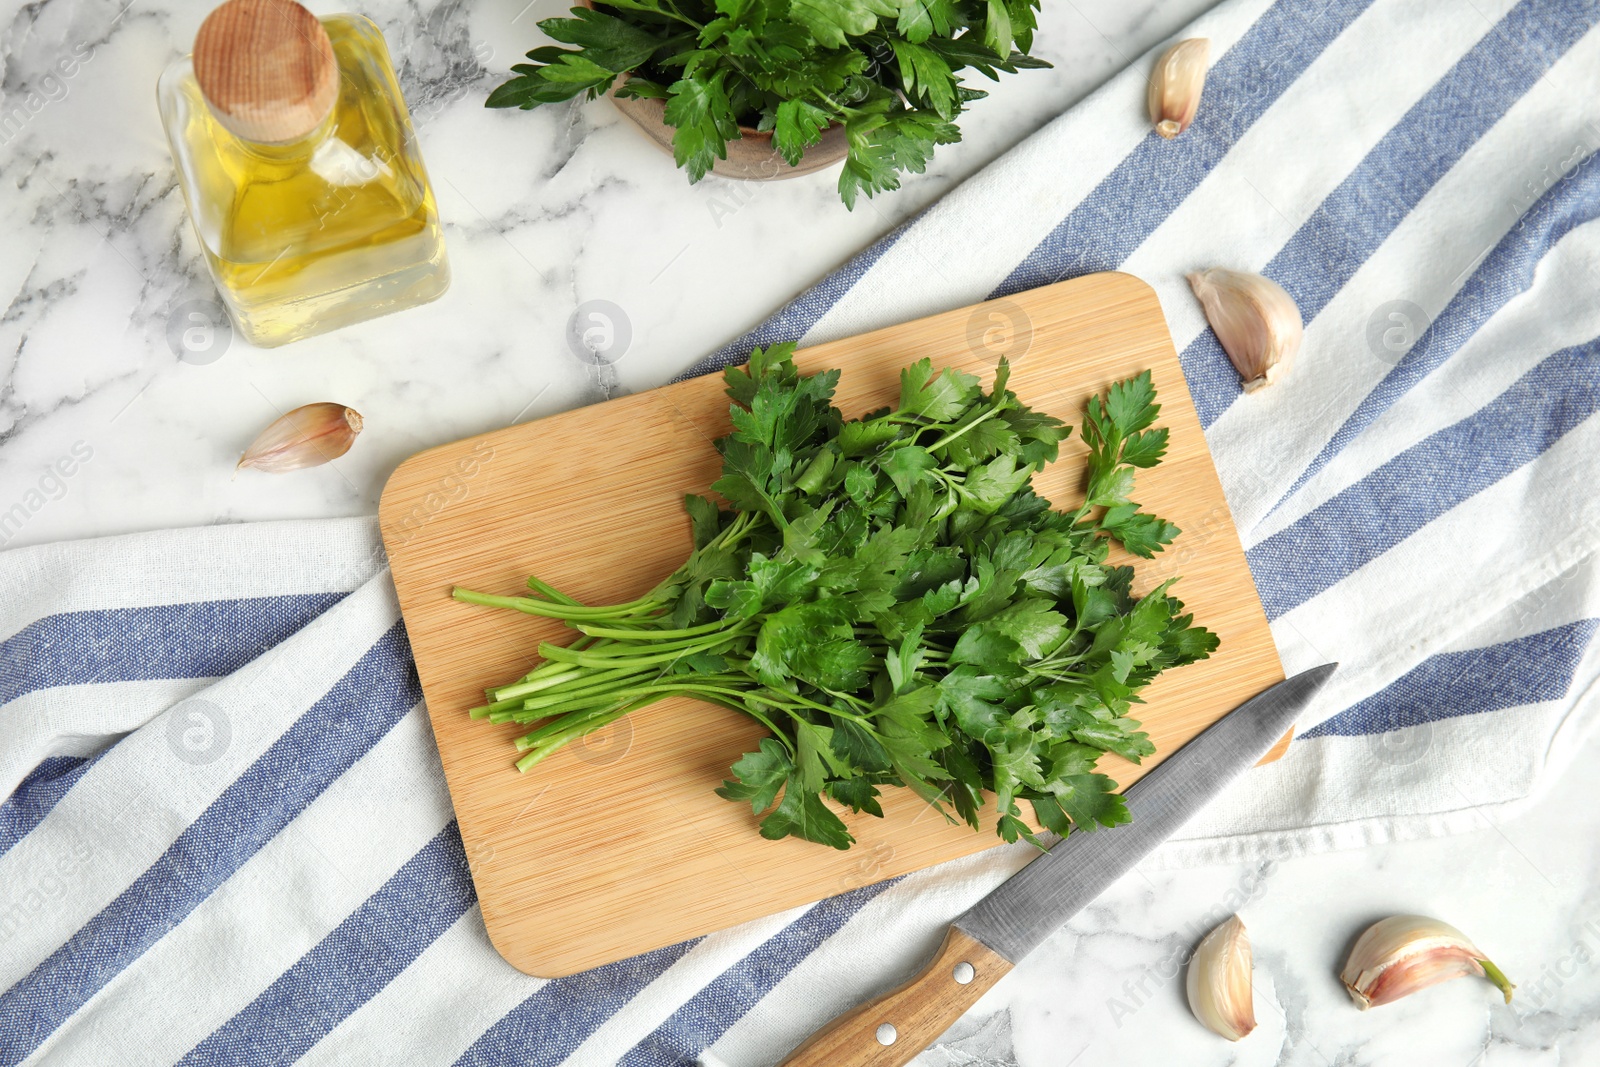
227	837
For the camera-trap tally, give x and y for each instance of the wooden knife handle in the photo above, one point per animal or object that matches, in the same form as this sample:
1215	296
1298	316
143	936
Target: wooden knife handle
893	1029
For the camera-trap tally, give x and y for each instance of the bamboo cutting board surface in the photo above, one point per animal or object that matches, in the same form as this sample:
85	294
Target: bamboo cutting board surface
618	845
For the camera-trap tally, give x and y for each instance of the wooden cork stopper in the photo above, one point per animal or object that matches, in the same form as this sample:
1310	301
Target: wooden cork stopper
267	69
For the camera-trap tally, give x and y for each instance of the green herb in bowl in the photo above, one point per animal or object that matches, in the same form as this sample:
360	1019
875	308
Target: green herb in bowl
888	72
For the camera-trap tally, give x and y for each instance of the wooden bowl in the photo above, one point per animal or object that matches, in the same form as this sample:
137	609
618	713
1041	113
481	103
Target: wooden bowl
751	157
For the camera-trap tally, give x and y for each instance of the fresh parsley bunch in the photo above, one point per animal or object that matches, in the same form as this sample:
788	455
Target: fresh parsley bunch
891	599
889	71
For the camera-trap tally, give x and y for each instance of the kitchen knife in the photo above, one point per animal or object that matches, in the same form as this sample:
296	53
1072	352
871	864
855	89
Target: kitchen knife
992	936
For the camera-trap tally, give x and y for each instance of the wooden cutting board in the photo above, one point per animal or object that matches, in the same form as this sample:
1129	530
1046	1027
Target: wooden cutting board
618	845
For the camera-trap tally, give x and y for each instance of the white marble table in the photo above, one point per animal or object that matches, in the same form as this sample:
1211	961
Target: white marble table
546	211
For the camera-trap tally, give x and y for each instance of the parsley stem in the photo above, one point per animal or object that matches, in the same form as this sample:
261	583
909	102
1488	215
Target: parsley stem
547	739
651	633
670	11
576	731
740	701
549	674
737	700
593	685
548	609
530	684
552	592
947	438
563	728
585	677
623	650
735	532
496	707
587	659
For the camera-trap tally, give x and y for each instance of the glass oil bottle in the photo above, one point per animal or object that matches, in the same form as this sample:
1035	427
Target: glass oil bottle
299	166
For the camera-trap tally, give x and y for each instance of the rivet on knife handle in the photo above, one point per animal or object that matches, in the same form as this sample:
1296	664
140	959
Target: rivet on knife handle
896	1027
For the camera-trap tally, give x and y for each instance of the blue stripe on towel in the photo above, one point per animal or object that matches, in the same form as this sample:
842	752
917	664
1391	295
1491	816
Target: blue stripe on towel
1428	479
200	640
1142	190
1358	216
727	998
543	1030
1528	670
795	319
35	795
321	745
1506	273
207	639
352	964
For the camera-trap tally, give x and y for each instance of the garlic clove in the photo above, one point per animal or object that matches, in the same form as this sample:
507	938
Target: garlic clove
1256	321
306	437
1407	953
1220	983
1176	83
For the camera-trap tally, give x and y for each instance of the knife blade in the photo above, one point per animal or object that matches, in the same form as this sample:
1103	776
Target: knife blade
991	937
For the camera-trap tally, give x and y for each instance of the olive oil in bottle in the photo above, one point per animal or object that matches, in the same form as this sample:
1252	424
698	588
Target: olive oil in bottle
300	169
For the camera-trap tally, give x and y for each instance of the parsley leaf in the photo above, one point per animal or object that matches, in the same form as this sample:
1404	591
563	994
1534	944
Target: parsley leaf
757	776
803	814
797	126
938	397
698	106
